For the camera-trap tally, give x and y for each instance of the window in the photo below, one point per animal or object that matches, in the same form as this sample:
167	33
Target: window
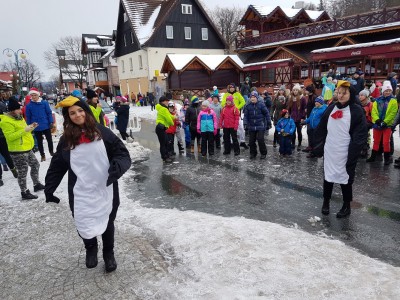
304	72
123	66
255	33
186	9
125	39
130	64
170	32
132	40
140	62
102	76
204	34
188	33
96	56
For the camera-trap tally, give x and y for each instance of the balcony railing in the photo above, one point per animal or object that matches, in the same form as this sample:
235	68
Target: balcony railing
381	17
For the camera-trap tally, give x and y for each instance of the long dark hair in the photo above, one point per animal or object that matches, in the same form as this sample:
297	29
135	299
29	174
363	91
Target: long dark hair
73	132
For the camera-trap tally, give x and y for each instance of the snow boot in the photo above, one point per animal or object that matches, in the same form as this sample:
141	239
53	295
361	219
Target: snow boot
243	144
1	182
192	149
344	211
373	156
38	187
109	262
14	172
325	207
180	147
168	160
397	161
388	158
91	256
43	158
28	196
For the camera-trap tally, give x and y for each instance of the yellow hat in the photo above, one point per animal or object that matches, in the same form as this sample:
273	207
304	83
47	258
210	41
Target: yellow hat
343	83
68	102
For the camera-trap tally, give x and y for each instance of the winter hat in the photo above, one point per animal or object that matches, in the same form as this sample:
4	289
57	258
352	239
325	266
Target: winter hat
194	99
13	104
229	98
320	100
392	74
343	83
76	94
296	87
171	104
310	89
329	78
364	93
283	112
254	94
123	99
378	83
91	94
282	88
162	99
231	85
34	91
70	101
247	79
386	86
214	87
205	103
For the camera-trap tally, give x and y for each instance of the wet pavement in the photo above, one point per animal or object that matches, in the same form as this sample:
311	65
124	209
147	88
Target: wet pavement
286	191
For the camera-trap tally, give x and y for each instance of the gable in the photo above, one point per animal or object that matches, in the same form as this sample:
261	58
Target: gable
284	53
344	41
125	42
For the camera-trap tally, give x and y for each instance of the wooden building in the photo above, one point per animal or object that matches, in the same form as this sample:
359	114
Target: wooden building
277	44
148	30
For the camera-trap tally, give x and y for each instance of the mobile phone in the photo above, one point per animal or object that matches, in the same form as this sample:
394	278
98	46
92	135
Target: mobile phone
35	124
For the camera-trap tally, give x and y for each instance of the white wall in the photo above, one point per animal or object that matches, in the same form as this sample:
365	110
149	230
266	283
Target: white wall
136	72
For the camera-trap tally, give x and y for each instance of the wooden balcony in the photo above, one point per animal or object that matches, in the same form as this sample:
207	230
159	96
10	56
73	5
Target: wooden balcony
381	17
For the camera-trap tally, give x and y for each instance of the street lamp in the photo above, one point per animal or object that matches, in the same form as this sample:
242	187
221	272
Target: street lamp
61	63
22	54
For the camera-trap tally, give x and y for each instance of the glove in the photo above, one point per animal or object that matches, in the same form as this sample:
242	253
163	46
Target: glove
378	122
383	125
52	198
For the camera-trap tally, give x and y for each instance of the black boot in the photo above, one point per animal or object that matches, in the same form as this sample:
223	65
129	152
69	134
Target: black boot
373	156
38	187
1	182
180	147
91	256
344	211
28	196
388	158
325	207
243	144
109	261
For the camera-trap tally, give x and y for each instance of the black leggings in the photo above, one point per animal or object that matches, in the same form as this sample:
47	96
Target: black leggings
347	191
39	138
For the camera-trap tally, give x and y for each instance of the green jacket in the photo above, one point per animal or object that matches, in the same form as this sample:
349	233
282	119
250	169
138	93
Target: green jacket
238	100
97	114
18	140
164	116
387	116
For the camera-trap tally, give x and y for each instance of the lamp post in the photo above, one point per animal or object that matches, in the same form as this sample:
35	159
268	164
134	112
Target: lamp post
22	54
61	62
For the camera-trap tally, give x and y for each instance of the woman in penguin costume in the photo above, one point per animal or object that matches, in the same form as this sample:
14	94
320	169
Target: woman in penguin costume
95	159
340	137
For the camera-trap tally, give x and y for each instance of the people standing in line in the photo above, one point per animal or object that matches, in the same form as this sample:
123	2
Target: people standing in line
192	114
313	121
163	121
20	144
207	125
297	108
285	128
279	103
95	158
384	111
216	107
309	94
256	120
340	136
39	111
229	122
123	119
95	107
367	106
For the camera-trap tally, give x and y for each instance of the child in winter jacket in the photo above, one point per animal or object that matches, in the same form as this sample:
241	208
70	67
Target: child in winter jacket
216	107
171	131
367	106
229	122
313	120
207	126
285	128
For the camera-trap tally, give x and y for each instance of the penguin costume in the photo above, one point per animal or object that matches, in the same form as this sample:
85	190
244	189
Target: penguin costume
95	159
340	137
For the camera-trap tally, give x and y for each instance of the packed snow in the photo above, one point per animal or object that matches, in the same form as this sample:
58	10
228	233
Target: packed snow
237	258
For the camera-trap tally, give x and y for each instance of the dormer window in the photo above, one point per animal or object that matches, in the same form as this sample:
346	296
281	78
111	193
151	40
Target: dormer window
186	9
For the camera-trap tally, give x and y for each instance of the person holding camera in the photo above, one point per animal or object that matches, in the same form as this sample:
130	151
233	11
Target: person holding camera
20	144
285	128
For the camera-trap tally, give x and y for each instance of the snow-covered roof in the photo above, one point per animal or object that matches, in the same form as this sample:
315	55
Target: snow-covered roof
362	45
340	33
289	12
89	40
103	37
267	62
179	61
109	52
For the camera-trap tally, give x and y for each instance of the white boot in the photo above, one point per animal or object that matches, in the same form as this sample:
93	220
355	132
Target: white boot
129	139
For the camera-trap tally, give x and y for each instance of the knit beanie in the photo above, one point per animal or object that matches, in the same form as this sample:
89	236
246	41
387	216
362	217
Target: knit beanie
386	86
282	88
296	87
229	98
205	103
13	104
320	100
364	93
90	94
254	94
194	99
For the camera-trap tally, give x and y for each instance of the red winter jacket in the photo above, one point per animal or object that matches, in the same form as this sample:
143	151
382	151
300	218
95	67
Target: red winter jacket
172	129
229	117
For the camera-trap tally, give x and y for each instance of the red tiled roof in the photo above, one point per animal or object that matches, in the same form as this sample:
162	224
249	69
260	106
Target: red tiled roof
5	76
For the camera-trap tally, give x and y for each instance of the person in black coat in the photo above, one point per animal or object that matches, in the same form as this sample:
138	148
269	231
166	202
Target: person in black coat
95	158
191	119
340	137
123	118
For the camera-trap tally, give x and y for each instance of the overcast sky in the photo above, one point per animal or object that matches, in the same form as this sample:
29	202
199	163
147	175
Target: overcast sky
35	25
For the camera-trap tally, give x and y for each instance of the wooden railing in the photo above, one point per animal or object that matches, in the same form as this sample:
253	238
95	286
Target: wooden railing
379	17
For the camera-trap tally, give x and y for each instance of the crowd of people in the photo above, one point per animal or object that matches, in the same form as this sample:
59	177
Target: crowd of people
339	122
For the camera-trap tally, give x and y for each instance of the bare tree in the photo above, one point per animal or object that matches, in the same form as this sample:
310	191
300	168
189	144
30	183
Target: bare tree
227	19
342	8
72	64
29	73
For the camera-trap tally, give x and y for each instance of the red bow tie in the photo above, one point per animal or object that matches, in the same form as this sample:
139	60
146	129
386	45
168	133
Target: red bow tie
337	114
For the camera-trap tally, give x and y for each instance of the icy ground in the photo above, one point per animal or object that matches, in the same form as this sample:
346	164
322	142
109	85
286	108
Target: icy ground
171	254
